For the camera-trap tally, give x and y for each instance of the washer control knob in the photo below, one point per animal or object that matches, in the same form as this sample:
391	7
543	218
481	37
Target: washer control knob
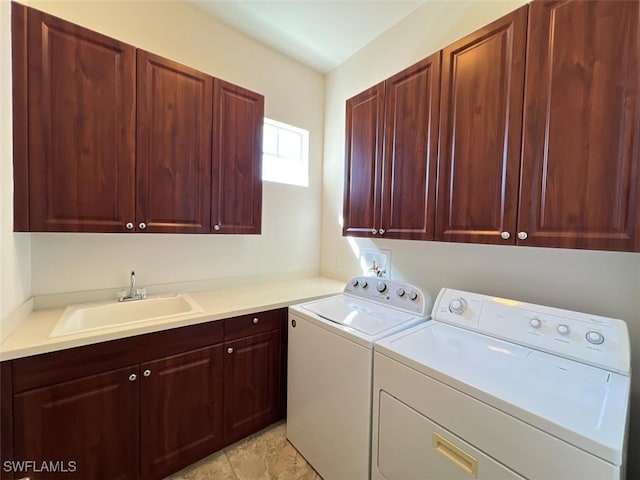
364	284
563	329
413	295
594	337
400	292
354	282
535	322
381	287
458	306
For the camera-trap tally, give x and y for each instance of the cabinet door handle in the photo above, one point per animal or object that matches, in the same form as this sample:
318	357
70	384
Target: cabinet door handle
132	377
522	235
147	373
142	225
256	320
216	228
374	231
230	350
382	230
505	235
129	226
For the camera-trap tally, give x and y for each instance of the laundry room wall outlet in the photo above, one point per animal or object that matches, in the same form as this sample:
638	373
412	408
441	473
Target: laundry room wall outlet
376	263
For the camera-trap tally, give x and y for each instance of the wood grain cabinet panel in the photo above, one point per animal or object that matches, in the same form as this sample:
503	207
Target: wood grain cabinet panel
253	380
180	410
238	116
173	162
108	139
81	130
581	142
88	426
480	130
145	406
391	151
410	151
363	172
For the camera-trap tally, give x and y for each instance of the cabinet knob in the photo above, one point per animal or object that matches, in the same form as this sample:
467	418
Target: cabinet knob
374	231
132	377
522	235
142	225
147	373
382	230
216	228
129	226
230	350
256	320
505	235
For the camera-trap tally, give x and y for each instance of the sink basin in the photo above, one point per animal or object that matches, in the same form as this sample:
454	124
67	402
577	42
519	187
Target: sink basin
80	319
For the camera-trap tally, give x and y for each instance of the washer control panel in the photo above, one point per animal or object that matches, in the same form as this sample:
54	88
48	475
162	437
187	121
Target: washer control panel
391	293
591	339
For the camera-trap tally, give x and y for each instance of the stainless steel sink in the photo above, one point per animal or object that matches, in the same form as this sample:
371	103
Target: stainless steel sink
80	319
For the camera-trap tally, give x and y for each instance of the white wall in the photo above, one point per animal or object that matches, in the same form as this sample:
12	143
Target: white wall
15	269
604	283
290	243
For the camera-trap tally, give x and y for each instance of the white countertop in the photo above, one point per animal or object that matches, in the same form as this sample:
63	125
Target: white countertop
31	336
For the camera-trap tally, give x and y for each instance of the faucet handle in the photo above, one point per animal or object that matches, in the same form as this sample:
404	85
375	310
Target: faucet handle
142	292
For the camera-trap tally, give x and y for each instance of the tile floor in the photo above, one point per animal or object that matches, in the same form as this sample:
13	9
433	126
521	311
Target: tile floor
267	455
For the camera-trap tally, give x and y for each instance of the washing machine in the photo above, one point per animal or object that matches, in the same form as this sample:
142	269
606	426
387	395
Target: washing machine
330	370
495	389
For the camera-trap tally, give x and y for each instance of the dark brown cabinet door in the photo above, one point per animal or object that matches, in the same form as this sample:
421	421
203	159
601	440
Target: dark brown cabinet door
173	147
236	200
581	142
81	91
410	151
180	410
480	130
87	426
252	384
363	163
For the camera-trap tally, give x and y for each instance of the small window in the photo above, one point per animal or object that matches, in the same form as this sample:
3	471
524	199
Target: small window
285	153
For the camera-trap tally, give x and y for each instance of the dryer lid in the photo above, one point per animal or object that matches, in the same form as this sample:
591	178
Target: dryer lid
361	315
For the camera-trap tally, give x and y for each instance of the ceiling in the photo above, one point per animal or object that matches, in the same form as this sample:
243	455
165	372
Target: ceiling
320	34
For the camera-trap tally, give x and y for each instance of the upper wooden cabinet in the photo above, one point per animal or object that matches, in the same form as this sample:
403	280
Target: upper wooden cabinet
391	148
480	129
236	204
581	140
81	131
87	160
362	182
173	162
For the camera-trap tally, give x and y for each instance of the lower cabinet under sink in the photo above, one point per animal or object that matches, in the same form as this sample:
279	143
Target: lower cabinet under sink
146	406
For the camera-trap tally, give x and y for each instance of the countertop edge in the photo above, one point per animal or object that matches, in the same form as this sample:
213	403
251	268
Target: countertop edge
314	288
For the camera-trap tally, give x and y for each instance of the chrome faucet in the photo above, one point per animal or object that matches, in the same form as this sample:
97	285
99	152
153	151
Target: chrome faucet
132	285
133	293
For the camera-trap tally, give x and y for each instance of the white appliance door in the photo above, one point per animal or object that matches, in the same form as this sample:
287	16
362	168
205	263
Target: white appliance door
329	400
410	446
